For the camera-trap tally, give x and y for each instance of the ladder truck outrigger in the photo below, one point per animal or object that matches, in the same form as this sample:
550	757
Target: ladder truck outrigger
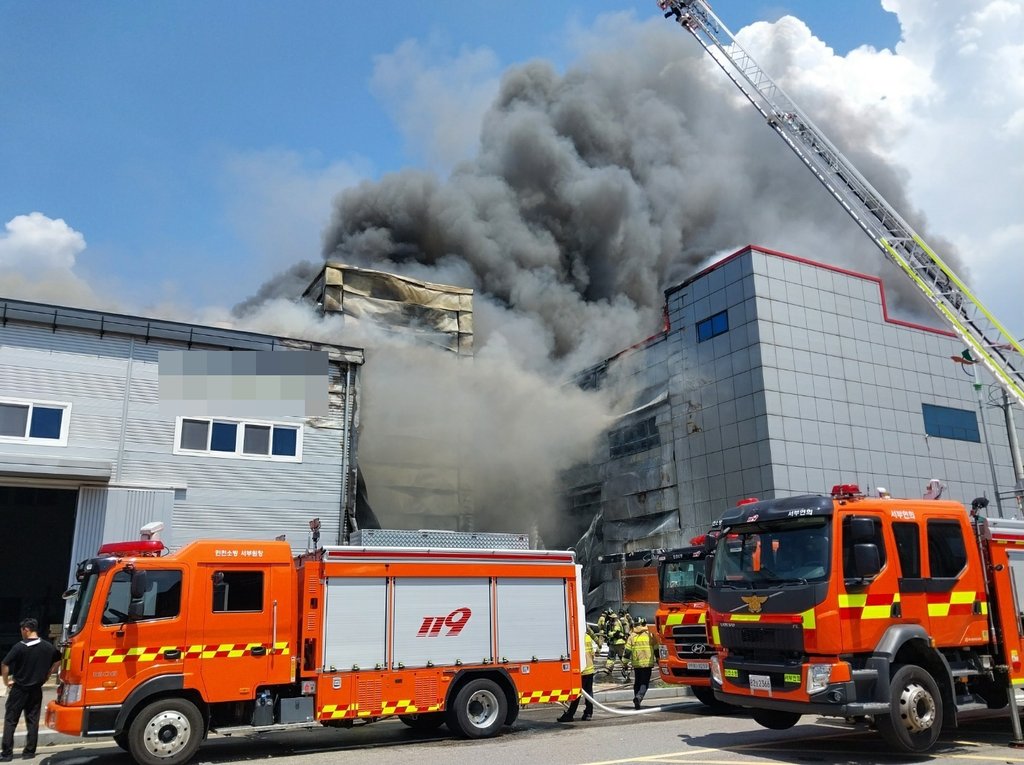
987	339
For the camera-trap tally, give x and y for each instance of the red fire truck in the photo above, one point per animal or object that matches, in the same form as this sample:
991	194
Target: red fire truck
237	635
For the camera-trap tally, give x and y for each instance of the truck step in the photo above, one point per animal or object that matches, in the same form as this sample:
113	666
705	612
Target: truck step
241	730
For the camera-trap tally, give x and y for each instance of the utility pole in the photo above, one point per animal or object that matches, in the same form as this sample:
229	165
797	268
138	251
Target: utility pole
1018	468
984	432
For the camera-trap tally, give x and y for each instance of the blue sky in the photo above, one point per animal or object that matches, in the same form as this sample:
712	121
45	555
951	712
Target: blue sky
129	120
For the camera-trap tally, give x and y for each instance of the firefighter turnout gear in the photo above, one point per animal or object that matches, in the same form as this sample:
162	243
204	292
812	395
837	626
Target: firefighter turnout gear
587	681
642	652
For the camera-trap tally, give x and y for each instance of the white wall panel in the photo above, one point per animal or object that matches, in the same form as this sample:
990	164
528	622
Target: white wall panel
355	623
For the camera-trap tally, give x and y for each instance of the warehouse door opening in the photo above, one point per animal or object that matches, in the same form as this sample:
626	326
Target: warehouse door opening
37	527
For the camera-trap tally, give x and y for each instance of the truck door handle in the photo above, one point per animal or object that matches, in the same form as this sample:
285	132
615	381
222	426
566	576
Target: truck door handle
173	655
260	650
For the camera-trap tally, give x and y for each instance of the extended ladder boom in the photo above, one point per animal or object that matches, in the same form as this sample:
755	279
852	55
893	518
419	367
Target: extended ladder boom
988	340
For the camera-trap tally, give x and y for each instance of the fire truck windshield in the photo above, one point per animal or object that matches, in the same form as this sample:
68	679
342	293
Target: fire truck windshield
83	599
793	551
683	582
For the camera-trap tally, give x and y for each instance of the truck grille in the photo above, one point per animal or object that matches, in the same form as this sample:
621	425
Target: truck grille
781	638
686	636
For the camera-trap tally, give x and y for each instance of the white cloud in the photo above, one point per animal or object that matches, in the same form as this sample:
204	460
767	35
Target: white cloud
34	243
437	100
947	105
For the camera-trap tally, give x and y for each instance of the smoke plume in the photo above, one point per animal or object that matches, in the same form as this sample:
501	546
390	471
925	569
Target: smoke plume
593	190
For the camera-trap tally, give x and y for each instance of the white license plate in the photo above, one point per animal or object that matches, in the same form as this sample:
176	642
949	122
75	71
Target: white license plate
760	683
704	665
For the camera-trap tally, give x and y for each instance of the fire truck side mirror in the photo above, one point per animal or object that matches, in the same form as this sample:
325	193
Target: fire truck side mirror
866	560
138	587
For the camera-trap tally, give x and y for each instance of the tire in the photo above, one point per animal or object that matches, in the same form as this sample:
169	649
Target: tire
166	732
915	711
479	709
424	721
775	719
706	696
121	739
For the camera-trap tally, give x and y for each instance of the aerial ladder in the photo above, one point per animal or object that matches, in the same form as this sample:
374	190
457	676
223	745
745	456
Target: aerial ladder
987	340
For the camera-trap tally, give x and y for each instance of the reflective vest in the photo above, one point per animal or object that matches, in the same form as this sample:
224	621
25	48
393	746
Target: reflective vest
640	648
590	648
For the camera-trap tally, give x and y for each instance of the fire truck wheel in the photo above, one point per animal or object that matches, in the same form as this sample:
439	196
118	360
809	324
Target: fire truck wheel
706	696
915	710
775	719
425	721
166	732
479	710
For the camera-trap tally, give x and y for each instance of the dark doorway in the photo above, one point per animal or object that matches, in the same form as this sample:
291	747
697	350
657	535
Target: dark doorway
37	527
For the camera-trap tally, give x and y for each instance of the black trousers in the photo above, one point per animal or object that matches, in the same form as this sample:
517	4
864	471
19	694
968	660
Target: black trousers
22	700
641	681
588	707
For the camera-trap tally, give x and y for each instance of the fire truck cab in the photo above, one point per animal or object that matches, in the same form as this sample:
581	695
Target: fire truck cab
238	636
685	654
907	612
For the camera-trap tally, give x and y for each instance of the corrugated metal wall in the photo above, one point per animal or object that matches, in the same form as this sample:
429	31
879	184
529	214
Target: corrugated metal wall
111	382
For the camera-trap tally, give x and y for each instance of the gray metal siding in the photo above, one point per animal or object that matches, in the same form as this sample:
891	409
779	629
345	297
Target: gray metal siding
216	496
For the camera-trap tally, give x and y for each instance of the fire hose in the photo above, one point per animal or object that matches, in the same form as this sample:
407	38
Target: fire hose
630	712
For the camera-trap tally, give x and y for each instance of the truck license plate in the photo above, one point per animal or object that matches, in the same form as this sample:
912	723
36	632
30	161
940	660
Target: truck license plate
760	683
702	665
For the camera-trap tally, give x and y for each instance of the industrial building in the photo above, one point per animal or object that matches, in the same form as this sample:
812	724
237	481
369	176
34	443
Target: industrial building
91	448
777	376
411	458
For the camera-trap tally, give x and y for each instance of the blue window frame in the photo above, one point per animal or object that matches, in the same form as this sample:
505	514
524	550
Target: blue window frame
713	326
947	422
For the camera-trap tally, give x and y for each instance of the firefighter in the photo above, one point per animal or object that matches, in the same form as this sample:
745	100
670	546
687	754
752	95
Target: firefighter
603	623
627	620
642	651
615	637
590	648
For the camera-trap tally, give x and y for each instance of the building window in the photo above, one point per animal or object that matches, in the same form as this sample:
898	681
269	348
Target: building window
633	438
585	501
35	422
947	422
713	326
236	438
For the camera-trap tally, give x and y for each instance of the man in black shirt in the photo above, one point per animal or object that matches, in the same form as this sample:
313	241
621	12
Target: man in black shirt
25	668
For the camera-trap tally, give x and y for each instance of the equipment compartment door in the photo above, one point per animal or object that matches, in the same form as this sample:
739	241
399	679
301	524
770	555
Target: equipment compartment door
532	619
441	620
355	623
1016	560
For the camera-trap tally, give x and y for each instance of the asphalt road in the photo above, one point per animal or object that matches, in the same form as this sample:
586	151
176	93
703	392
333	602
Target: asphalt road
686	734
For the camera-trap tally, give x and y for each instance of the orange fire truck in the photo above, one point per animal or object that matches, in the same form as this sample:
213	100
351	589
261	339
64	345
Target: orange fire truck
685	653
680	619
904	612
238	636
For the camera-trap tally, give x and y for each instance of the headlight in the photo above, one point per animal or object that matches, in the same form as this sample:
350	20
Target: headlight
662	651
818	676
716	670
69	694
